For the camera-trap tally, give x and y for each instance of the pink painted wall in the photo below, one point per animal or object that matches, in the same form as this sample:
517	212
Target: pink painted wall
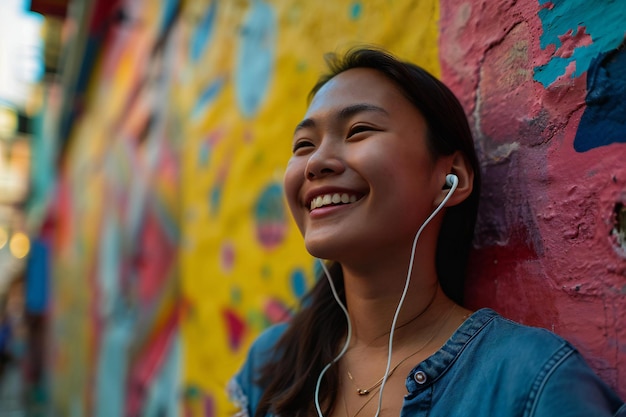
544	84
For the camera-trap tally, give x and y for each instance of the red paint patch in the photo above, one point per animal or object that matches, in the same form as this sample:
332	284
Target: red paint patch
276	311
236	328
571	41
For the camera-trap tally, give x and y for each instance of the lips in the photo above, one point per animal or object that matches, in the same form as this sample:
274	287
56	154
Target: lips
332	199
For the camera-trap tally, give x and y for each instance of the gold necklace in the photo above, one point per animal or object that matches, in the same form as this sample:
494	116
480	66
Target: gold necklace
345	405
367	391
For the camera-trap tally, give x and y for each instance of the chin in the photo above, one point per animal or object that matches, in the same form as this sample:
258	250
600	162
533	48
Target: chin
321	250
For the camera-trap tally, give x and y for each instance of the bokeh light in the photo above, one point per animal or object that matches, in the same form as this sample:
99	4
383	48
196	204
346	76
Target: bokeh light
19	245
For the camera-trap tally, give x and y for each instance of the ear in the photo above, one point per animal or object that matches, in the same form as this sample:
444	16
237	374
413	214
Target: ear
458	165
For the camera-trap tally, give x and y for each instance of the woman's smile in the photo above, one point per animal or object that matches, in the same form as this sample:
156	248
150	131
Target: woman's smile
332	200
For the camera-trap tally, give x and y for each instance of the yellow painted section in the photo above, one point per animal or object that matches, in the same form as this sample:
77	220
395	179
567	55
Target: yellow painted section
233	160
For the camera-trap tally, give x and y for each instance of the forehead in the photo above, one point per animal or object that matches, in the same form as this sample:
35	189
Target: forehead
359	85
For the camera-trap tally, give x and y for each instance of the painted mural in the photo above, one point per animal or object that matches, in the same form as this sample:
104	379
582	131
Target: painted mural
115	335
174	247
542	85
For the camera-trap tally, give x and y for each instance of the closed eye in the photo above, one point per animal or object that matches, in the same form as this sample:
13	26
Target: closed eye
300	144
354	130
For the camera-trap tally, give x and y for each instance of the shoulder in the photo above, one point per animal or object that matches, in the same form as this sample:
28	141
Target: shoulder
504	341
263	349
555	377
265	342
506	335
244	391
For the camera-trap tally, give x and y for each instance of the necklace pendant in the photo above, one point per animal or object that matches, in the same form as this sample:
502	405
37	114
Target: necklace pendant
362	391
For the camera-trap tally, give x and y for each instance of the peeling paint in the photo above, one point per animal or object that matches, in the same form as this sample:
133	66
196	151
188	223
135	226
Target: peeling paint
544	86
570	19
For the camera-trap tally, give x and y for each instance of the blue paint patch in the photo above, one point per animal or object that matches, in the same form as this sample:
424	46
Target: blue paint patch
168	14
298	283
604	119
207	97
204	32
215	199
255	57
38	267
563	17
355	10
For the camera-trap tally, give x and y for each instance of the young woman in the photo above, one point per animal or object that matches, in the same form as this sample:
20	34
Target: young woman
383	183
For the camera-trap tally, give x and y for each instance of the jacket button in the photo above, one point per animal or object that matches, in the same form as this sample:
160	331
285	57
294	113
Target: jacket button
420	377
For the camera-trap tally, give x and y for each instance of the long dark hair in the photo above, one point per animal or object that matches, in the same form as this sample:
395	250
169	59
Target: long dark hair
313	337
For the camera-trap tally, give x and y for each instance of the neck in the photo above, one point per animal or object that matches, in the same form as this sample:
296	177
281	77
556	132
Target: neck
372	297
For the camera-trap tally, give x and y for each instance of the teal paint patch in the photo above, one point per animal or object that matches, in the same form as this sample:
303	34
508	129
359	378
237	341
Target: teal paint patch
255	57
169	12
560	18
215	198
203	33
270	216
112	365
318	271
162	396
355	10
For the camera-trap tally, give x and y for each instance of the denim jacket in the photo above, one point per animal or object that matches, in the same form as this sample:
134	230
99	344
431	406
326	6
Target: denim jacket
490	366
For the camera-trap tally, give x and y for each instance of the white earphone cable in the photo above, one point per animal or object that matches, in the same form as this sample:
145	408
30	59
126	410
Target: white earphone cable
455	182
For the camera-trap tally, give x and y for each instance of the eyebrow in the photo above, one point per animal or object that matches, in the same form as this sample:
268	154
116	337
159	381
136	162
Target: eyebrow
345	114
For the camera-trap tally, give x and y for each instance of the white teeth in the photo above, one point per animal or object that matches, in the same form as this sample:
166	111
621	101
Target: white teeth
336	198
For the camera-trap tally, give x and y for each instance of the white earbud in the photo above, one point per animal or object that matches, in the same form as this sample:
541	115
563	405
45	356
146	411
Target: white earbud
451	179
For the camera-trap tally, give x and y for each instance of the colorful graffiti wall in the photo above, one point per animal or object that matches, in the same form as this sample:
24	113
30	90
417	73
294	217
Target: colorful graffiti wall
543	84
175	248
114	343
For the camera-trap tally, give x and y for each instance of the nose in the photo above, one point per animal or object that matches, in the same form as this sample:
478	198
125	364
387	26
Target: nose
325	161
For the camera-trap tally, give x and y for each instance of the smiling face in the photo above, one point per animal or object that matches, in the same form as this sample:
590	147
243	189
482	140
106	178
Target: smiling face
361	179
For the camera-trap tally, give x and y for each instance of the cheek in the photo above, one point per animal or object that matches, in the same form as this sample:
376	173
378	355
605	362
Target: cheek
292	182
